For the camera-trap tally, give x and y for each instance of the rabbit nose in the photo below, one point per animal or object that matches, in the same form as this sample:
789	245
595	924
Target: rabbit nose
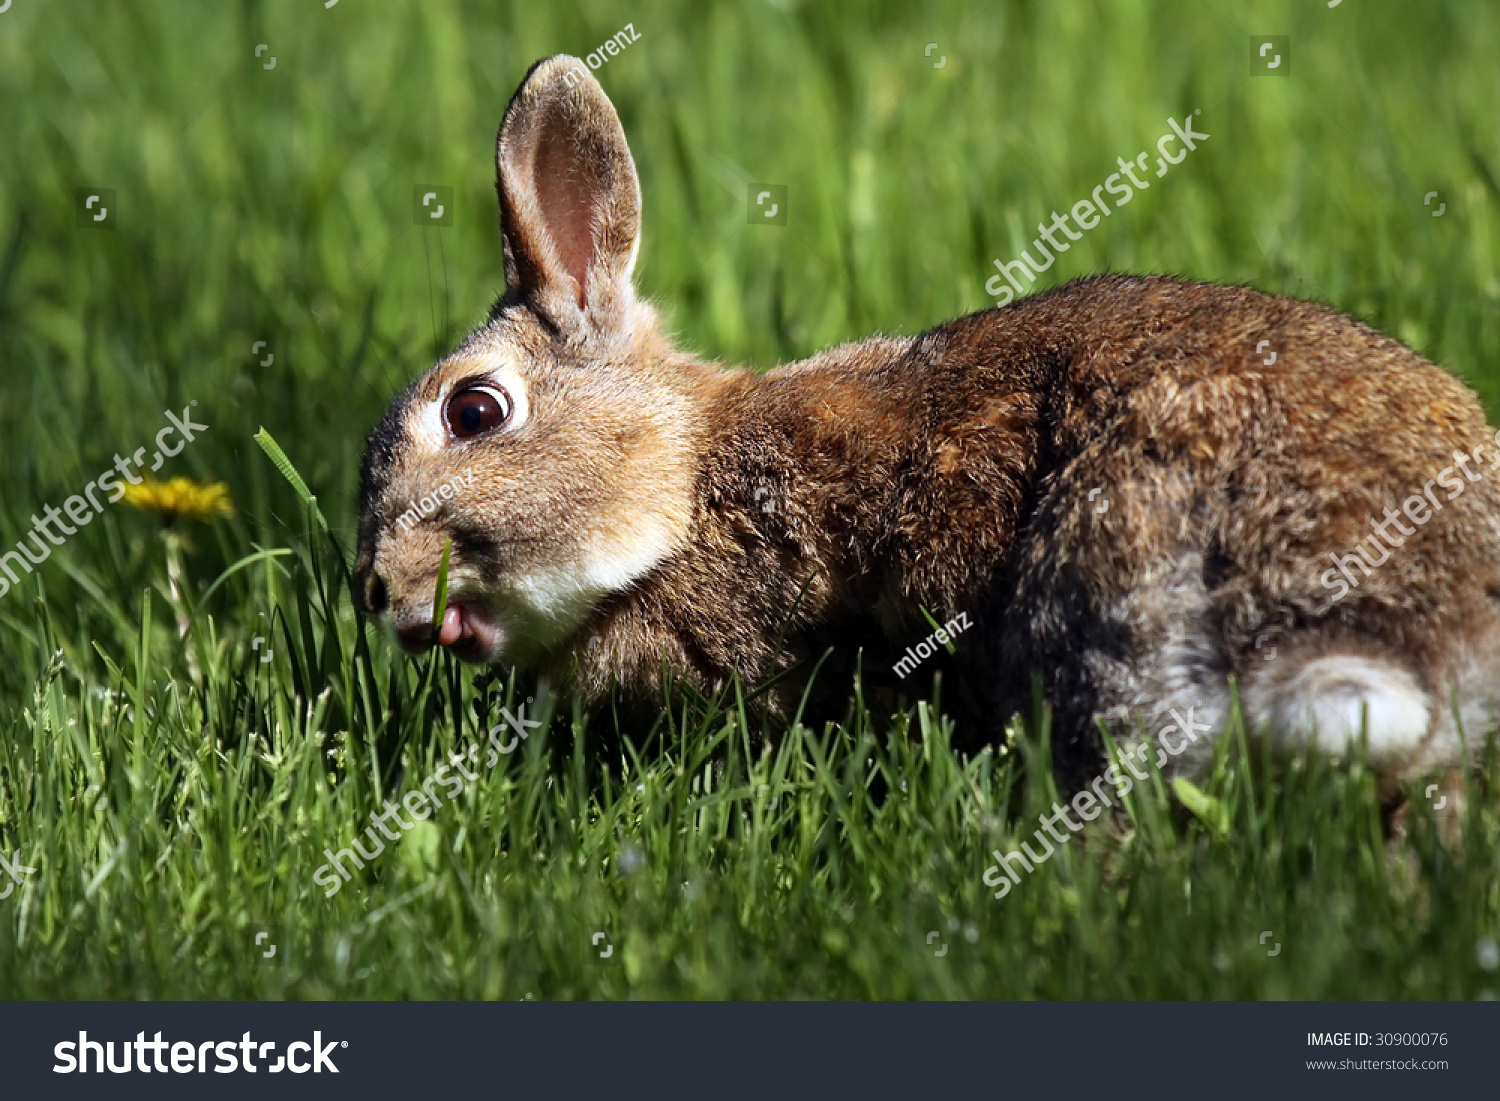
416	637
376	597
370	592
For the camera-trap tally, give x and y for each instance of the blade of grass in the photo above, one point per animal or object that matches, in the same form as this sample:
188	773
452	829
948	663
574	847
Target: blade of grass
278	459
440	601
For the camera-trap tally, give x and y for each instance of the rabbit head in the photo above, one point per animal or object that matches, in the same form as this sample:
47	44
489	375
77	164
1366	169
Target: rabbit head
555	446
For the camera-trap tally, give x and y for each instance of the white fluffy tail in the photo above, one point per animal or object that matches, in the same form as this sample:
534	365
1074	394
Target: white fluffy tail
1330	700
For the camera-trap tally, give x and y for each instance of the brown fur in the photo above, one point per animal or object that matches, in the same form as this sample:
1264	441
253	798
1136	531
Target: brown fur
838	498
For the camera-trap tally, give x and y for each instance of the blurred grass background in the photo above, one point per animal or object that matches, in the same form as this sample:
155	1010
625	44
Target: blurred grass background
174	793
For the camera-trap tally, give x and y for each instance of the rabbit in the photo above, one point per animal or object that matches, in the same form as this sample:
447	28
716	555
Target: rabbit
1112	483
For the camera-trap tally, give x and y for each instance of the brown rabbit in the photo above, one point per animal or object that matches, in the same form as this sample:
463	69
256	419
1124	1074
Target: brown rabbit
1109	482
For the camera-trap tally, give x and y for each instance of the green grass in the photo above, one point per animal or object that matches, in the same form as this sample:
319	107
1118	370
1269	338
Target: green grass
176	793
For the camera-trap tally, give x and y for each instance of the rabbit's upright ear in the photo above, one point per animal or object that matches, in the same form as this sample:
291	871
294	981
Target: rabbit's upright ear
569	201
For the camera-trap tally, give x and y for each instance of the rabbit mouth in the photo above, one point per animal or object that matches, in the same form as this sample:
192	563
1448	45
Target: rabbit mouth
470	634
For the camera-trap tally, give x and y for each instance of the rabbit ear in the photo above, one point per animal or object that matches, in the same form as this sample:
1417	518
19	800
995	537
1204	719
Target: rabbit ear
569	200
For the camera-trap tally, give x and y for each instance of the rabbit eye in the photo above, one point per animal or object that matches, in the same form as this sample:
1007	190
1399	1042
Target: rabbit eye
471	412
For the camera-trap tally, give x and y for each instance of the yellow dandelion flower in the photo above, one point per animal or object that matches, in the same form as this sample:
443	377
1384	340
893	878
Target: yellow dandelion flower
180	497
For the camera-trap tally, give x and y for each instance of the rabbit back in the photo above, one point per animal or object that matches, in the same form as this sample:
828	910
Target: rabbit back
1318	529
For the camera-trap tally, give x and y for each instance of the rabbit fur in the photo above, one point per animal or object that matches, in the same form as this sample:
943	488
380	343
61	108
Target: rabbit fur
1108	480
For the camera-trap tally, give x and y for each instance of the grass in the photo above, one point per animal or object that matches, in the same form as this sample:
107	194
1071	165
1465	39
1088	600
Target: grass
176	793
